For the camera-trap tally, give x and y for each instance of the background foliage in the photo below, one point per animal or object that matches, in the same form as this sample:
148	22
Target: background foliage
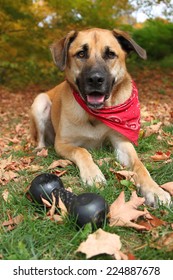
28	27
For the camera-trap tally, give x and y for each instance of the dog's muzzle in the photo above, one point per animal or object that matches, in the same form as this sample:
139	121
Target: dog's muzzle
95	86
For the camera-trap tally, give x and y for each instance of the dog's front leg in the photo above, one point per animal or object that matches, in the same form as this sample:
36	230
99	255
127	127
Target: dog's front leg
127	156
89	171
39	119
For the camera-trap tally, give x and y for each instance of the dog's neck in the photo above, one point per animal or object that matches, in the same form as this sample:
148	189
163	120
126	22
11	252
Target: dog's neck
121	92
124	117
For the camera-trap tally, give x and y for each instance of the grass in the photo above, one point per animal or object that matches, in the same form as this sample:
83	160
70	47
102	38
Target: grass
37	237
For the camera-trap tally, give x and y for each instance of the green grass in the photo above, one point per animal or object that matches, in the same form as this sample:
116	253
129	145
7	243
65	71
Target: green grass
37	237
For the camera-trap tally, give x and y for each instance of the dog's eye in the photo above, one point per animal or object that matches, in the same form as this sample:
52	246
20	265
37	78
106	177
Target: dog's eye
81	54
109	54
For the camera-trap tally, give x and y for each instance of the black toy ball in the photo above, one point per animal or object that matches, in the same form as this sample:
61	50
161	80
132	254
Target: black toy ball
89	208
43	185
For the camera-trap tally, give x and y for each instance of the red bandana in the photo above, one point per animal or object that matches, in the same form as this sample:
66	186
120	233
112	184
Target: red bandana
124	118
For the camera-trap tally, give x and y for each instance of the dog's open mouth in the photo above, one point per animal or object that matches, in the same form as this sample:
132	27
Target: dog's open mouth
95	101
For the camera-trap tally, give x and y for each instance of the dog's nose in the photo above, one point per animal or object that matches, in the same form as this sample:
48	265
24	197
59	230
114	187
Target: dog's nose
95	79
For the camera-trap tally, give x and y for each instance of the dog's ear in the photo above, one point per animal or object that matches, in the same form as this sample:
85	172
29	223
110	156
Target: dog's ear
128	44
59	49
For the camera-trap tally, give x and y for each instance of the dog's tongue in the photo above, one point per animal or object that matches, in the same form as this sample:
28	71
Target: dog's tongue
95	99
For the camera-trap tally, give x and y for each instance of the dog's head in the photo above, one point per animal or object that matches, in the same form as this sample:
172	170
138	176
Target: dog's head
94	61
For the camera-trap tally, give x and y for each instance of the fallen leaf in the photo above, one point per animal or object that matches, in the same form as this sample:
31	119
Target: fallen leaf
18	219
35	168
5	195
53	206
12	222
168	187
69	189
152	129
43	153
5	162
46	202
60	163
161	156
168	161
150	221
145	223
131	256
62	207
57	218
164	242
170	143
123	213
156	222
14	140
101	161
101	242
7	176
59	173
18	127
127	175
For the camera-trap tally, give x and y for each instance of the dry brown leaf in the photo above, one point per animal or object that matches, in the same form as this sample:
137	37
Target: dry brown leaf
168	187
14	140
152	129
5	162
101	242
18	219
131	256
5	195
123	213
103	160
46	202
43	153
60	163
59	173
161	156
62	207
156	222
57	218
170	143
150	221
164	242
51	212
13	221
168	161
35	168
127	175
9	175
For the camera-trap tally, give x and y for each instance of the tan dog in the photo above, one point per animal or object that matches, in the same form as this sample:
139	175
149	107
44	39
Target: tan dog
94	65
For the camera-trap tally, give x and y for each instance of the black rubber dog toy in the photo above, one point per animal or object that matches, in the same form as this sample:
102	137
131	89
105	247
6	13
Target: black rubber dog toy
85	208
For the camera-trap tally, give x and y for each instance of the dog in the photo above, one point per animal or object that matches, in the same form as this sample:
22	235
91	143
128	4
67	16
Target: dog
97	101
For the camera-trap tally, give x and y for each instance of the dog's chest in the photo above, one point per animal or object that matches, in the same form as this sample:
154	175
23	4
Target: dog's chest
89	134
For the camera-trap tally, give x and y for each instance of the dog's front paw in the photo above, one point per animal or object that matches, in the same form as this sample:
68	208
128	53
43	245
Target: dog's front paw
93	175
155	195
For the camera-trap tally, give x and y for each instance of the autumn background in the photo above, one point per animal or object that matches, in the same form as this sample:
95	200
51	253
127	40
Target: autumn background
27	28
